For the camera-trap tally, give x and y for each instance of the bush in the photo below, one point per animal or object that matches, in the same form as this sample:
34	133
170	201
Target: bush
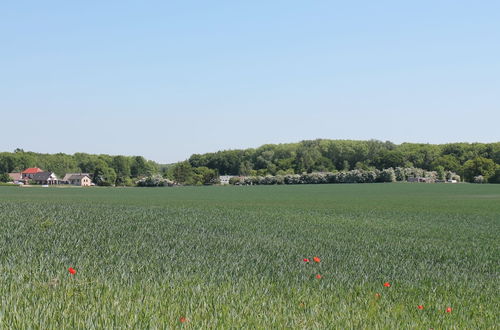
154	181
479	179
387	175
4	177
354	176
235	180
495	178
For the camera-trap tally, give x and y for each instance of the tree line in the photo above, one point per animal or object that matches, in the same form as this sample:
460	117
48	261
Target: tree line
469	160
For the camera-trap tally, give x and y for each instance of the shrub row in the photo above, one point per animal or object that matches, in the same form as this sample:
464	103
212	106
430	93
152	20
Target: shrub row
154	181
354	176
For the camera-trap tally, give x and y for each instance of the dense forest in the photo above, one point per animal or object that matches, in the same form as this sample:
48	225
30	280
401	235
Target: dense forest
469	160
466	159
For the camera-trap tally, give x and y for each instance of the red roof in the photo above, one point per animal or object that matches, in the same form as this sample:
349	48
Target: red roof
32	170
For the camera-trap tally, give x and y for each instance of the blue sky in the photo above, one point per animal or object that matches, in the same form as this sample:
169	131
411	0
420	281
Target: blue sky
166	79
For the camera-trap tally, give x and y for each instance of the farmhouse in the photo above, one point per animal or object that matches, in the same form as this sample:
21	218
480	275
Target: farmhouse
224	179
16	177
67	177
45	178
421	179
30	172
78	179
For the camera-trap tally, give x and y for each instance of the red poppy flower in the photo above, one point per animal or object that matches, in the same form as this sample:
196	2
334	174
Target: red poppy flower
71	271
318	276
305	260
183	319
387	284
420	307
316	259
448	310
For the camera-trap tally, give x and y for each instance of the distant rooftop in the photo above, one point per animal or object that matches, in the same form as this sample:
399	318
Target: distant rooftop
32	170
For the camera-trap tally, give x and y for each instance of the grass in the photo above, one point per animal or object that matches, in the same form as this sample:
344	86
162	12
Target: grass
232	257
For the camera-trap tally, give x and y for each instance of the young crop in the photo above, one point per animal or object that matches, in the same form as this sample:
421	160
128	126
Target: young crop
305	256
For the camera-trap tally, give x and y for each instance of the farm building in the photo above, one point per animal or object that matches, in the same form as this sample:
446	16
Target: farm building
30	172
224	179
16	177
45	178
421	179
67	177
81	179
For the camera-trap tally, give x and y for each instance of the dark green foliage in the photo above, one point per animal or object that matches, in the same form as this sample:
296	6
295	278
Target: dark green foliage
184	173
204	175
104	176
4	177
495	178
479	166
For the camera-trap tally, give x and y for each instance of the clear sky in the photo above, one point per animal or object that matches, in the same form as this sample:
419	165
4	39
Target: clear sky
166	79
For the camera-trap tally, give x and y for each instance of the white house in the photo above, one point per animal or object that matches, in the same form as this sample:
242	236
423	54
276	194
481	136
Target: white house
78	179
45	178
224	179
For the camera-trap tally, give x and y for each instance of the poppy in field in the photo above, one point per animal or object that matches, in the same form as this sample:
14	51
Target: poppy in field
305	260
71	271
377	295
318	276
420	307
387	284
183	319
316	259
448	310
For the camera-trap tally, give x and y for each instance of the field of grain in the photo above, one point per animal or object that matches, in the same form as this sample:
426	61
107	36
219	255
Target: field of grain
206	257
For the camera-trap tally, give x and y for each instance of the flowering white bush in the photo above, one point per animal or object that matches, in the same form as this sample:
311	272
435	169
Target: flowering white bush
354	176
155	180
479	179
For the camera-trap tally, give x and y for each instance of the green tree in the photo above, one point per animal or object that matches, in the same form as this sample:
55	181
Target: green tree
495	178
245	168
140	167
479	166
121	165
182	173
307	155
104	175
448	162
4	177
204	175
440	172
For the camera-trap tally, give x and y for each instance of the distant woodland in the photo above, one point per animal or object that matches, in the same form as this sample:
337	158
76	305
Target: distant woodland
469	160
466	159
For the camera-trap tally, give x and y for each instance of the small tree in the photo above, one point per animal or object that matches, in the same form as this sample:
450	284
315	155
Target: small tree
4	177
205	175
479	166
182	172
440	172
495	178
104	176
235	180
387	175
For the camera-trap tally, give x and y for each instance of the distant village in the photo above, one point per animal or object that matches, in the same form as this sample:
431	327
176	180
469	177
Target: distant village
35	175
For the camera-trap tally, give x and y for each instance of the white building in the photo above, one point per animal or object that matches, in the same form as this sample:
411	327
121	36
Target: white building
224	179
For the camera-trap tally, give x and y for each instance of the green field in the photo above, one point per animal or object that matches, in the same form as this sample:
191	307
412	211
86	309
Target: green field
232	256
